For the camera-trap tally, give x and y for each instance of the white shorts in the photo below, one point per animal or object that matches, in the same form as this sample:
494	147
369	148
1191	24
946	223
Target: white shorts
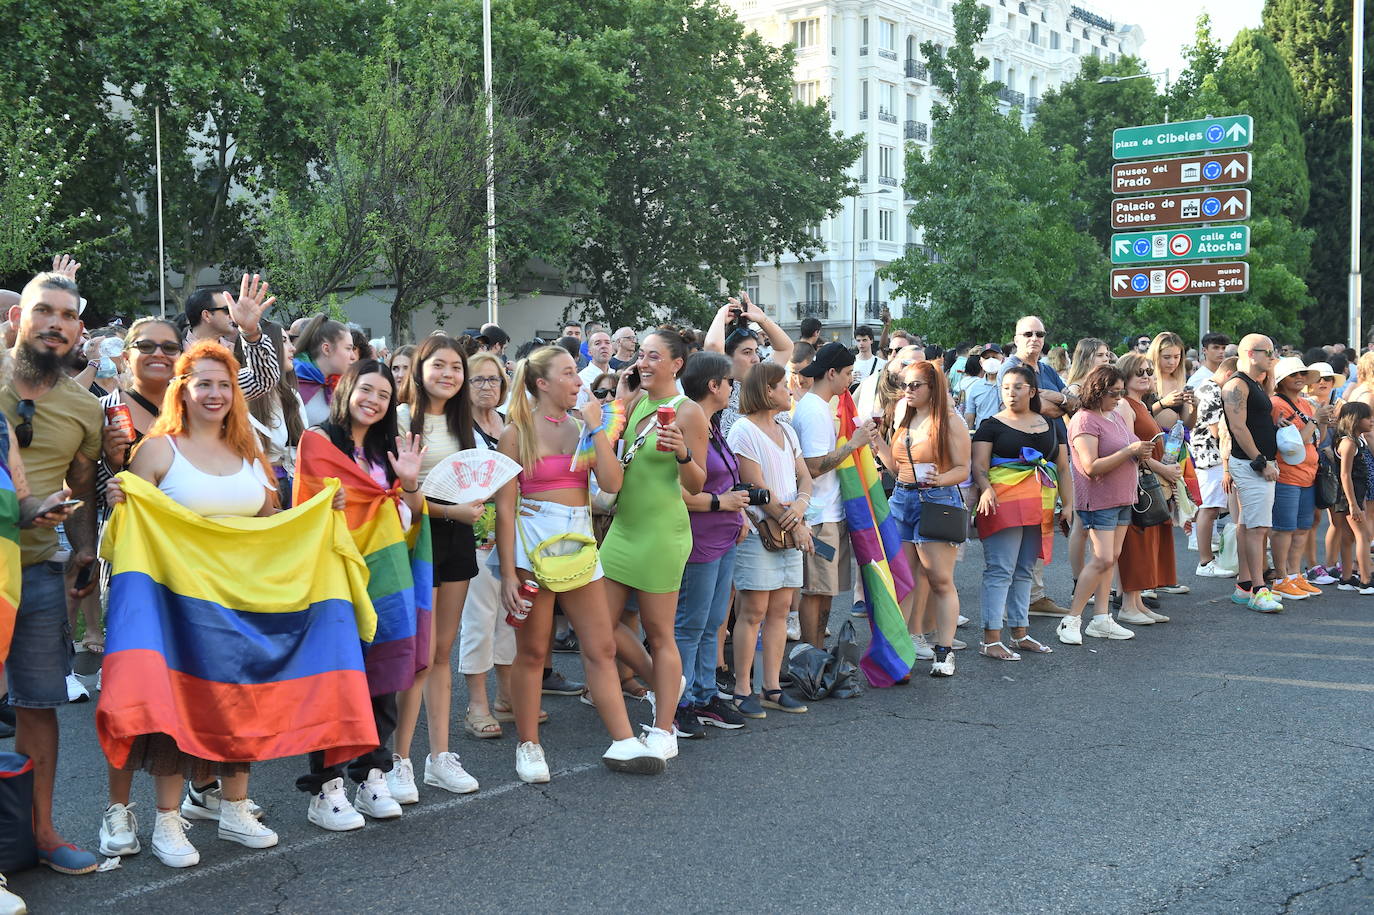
485	638
537	521
1209	481
1255	493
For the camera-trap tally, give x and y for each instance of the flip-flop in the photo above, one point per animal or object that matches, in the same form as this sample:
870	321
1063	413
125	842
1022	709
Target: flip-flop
483	727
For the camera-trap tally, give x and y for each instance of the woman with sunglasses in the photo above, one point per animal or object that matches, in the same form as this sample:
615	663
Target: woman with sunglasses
731	334
1147	554
602	388
1105	454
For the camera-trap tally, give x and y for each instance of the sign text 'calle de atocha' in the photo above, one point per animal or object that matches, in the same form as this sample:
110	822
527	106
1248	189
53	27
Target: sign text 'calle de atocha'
1180	244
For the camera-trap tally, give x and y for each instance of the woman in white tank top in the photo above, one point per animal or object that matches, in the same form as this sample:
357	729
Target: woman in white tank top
204	455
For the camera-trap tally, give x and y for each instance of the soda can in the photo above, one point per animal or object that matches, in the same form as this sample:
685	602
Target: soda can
120	417
528	591
666	415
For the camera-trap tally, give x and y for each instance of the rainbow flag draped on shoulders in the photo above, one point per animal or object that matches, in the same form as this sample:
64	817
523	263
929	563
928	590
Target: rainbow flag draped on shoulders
877	545
10	570
237	637
399	563
1026	489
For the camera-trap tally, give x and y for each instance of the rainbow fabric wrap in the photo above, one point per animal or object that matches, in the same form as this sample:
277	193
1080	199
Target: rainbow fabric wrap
237	637
615	418
10	571
883	568
1026	488
400	570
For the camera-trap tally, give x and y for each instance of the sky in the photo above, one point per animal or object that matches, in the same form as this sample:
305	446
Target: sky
1169	24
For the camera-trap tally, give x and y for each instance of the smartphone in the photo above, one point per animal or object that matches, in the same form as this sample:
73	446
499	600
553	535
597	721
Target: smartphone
83	578
824	550
70	504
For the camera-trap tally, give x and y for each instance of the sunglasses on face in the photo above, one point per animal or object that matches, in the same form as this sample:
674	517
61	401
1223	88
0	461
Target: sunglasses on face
602	393
1141	373
148	347
223	308
914	385
24	431
1032	333
1115	392
1265	352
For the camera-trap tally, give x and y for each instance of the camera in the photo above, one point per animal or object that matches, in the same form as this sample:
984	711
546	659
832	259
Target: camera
757	494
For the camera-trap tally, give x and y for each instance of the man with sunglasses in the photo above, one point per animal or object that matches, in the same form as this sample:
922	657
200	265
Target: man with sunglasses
57	424
1055	404
1250	469
599	347
236	324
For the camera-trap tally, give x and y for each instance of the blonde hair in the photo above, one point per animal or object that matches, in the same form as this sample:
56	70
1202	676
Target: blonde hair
484	357
1364	368
524	394
1166	339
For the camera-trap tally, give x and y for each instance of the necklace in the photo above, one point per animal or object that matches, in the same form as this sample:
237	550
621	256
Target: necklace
557	419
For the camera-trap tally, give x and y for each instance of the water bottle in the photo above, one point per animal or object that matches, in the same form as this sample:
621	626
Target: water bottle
1173	445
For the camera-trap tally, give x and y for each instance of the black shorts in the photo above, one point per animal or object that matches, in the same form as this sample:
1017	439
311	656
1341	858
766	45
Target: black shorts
455	550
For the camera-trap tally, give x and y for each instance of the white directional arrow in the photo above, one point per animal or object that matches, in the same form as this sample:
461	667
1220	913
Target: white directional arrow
1234	168
1122	246
1236	131
1233	205
1120	282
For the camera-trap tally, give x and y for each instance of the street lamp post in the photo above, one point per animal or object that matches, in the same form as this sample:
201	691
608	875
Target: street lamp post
491	164
853	259
1122	79
1354	303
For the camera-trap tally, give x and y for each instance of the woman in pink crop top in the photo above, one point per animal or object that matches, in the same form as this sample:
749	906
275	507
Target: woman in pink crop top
548	499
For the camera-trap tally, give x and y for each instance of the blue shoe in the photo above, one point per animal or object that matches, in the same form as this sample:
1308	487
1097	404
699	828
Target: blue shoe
1240	597
68	859
748	706
860	610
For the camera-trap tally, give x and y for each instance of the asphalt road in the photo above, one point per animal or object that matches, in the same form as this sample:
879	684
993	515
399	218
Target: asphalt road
1216	763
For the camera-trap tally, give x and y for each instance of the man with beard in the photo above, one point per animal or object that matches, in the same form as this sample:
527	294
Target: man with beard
57	425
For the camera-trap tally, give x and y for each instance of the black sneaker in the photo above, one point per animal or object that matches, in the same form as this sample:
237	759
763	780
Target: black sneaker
555	684
725	681
566	643
685	723
1349	584
719	713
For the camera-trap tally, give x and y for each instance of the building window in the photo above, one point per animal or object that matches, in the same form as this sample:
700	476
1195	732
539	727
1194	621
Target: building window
1075	46
806	33
807	92
863	31
1054	41
887	222
887	158
751	287
863	166
863	99
887	99
815	286
863	224
887	35
997	69
1035	33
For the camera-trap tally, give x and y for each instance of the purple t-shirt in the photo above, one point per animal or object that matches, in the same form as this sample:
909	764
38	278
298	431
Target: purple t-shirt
713	533
1116	488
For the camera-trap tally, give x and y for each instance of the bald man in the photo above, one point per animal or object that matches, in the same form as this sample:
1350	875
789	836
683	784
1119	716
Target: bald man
1250	470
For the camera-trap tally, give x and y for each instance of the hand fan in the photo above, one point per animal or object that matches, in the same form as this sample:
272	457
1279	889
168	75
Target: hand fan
472	475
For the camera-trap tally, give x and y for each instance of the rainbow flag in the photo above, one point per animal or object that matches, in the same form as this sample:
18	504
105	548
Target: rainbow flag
10	571
886	576
401	573
1026	490
237	637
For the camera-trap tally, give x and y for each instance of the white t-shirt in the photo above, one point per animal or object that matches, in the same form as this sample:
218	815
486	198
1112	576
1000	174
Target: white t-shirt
865	367
1200	377
778	465
815	426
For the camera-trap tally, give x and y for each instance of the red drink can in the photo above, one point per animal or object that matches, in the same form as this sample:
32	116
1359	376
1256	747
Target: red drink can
528	591
666	415
119	416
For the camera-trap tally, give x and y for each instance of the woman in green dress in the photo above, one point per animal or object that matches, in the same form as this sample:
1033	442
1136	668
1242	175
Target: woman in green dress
650	537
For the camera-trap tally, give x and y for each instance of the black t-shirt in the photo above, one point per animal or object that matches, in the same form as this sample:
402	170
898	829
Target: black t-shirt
1007	441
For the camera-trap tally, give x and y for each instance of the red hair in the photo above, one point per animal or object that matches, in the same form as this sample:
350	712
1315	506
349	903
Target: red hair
930	373
236	432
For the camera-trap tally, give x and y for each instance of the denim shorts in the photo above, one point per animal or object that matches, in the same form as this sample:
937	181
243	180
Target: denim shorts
537	521
1105	519
906	508
41	653
757	569
1294	506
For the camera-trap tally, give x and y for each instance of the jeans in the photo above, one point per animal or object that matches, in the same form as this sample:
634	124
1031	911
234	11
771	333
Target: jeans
41	652
1010	559
384	713
702	604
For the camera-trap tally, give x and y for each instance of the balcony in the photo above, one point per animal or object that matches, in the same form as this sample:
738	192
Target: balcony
873	311
917	130
1012	97
863	115
885	54
915	70
887	116
888	180
819	310
924	252
863	50
1033	105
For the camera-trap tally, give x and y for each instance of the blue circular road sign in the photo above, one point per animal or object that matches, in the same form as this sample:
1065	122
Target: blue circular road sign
1140	282
1211	206
1142	247
1211	171
1215	133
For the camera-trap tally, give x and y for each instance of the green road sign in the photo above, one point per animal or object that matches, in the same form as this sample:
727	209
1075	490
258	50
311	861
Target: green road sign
1180	244
1183	137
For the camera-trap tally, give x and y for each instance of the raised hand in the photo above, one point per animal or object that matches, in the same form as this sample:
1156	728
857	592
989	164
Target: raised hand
591	413
751	311
247	310
406	461
66	265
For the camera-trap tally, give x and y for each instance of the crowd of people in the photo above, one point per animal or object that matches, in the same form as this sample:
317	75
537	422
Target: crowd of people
677	518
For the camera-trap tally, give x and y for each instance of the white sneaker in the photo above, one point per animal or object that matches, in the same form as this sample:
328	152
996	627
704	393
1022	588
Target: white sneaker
1103	626
10	904
957	645
204	805
633	755
445	771
237	824
529	763
374	798
943	668
1134	618
793	626
923	650
330	809
401	780
660	741
653	700
963	621
169	840
1070	630
1211	570
76	691
119	831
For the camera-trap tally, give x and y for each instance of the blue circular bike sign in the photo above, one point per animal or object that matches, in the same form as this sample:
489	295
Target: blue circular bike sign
1215	133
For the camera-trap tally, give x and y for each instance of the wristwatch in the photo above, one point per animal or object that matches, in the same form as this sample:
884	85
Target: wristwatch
1257	465
715	502
687	459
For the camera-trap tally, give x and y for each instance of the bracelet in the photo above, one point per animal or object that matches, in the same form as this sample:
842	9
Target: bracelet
416	489
715	502
601	428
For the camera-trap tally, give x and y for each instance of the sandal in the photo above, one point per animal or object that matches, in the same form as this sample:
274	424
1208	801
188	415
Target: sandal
1032	645
93	645
505	713
483	727
631	688
1009	656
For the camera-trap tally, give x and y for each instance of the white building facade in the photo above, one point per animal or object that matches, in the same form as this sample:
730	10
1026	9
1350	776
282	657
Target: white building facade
864	57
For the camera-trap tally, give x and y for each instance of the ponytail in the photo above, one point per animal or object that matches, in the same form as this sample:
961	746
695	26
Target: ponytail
524	394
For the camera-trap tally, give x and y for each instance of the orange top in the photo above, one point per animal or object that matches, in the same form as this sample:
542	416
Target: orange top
1304	474
908	449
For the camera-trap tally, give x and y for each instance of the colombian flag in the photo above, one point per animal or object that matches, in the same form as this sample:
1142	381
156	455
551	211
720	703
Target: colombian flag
10	570
401	580
890	654
237	637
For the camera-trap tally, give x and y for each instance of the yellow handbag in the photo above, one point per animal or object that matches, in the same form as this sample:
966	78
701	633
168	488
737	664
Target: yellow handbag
566	572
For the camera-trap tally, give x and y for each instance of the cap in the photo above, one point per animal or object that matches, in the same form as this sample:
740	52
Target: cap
1293	365
831	356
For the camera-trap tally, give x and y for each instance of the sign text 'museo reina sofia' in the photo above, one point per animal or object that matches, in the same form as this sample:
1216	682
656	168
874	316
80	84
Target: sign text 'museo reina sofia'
1187	279
1183	137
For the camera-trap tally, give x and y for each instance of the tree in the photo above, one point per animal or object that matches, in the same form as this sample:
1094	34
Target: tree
1313	37
994	204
